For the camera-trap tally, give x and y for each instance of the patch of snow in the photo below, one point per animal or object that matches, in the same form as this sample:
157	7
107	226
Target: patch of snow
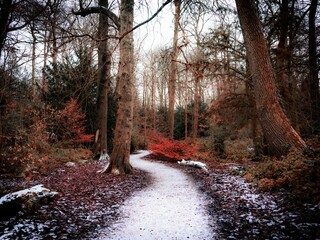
39	190
104	157
6	236
192	163
70	164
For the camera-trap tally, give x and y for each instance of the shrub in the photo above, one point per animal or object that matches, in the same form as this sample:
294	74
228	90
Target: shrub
172	149
69	124
266	184
238	149
26	143
138	139
294	172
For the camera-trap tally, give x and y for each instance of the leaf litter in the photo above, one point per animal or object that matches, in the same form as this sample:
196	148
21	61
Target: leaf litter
87	201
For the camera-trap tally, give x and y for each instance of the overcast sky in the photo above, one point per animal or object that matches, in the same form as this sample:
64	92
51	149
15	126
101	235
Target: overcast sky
159	31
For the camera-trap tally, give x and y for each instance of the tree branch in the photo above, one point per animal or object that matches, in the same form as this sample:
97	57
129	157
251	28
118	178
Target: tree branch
84	12
146	21
90	10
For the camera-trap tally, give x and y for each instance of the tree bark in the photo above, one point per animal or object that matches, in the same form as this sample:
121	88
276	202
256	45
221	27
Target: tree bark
255	136
104	64
153	96
119	161
53	39
173	70
186	106
282	53
277	129
313	69
44	86
33	76
195	124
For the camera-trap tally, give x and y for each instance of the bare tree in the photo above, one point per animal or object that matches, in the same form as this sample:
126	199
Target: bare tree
13	16
119	161
104	65
313	80
173	70
5	7
277	129
33	80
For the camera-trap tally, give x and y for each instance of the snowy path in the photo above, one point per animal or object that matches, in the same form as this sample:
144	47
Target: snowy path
171	208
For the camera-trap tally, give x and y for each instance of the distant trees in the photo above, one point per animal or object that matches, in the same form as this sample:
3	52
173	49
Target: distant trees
73	77
13	16
50	54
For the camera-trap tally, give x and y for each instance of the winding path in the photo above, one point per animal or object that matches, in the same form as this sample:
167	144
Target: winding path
171	208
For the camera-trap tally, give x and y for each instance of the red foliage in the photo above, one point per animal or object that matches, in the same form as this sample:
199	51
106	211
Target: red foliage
72	123
173	149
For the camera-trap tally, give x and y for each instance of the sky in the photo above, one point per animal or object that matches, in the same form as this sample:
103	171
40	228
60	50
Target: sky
159	31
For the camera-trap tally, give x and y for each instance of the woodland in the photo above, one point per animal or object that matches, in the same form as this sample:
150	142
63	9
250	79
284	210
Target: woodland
236	83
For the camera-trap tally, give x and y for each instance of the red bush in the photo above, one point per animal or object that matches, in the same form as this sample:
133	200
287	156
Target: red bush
71	124
173	149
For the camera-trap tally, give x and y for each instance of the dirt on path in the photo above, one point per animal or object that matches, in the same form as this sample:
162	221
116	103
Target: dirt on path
170	208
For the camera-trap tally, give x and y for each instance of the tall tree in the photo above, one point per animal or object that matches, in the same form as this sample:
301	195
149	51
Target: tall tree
173	70
104	64
198	66
119	161
33	71
313	80
282	52
277	129
198	76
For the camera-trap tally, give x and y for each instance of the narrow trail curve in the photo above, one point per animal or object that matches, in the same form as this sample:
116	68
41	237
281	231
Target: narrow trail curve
171	208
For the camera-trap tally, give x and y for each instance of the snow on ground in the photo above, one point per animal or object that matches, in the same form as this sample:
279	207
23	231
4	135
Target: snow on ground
244	213
37	190
170	208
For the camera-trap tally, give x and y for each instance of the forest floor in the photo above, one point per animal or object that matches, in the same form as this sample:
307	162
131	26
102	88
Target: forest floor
90	204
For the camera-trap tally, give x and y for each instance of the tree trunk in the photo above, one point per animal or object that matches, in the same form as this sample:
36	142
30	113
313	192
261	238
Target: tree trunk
255	136
313	69
33	76
173	70
198	77
5	7
186	107
282	53
153	96
277	129
282	67
44	86
104	64
119	162
54	47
